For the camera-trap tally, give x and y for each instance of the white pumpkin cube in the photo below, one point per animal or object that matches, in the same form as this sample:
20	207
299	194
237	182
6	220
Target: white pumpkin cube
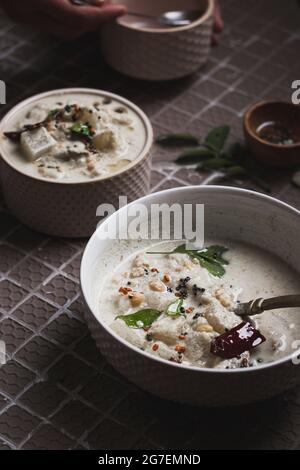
97	118
36	143
90	116
105	140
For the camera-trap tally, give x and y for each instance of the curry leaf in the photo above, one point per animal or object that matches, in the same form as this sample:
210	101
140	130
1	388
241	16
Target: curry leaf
177	140
234	161
215	164
174	309
81	129
210	258
212	266
216	252
141	319
54	114
181	249
217	138
239	152
194	156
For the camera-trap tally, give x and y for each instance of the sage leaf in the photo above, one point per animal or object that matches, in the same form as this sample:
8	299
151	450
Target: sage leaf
194	156
141	319
217	138
177	140
174	309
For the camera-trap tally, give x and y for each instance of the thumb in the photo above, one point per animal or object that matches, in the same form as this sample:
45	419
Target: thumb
96	15
98	2
111	10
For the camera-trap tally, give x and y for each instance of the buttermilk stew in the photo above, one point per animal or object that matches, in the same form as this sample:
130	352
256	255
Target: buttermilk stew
75	137
178	304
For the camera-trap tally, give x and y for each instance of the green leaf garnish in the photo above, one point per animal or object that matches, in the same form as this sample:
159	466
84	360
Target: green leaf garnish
210	258
215	164
212	155
177	140
212	266
238	151
141	319
54	113
194	156
81	129
216	252
217	138
174	309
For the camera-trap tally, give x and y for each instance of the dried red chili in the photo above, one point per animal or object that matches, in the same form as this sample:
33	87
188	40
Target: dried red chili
233	343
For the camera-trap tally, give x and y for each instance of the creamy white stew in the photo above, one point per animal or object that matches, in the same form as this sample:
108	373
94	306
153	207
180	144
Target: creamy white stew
75	137
180	306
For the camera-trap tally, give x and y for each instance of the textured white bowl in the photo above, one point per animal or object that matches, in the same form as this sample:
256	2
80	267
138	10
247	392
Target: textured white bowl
68	209
158	54
233	213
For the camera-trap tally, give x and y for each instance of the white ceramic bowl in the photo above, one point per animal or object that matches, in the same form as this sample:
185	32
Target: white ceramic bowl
231	213
145	52
65	208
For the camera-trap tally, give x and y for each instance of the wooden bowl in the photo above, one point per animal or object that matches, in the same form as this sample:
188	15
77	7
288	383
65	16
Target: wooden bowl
279	155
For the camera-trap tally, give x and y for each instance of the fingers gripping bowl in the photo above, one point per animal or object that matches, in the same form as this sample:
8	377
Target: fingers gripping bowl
229	213
65	152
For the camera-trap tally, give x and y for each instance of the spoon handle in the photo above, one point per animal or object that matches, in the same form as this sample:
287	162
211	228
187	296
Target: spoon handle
254	307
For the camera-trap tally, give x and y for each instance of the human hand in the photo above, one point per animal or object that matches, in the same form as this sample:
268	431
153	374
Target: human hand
61	17
218	24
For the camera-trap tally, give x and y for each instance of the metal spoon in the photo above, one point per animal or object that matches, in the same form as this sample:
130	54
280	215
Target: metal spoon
169	18
172	18
255	307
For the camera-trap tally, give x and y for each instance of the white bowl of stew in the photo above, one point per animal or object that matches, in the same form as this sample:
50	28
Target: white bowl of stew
65	152
170	353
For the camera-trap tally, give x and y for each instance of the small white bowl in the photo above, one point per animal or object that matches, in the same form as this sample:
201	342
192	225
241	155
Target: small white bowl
230	213
60	207
166	53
